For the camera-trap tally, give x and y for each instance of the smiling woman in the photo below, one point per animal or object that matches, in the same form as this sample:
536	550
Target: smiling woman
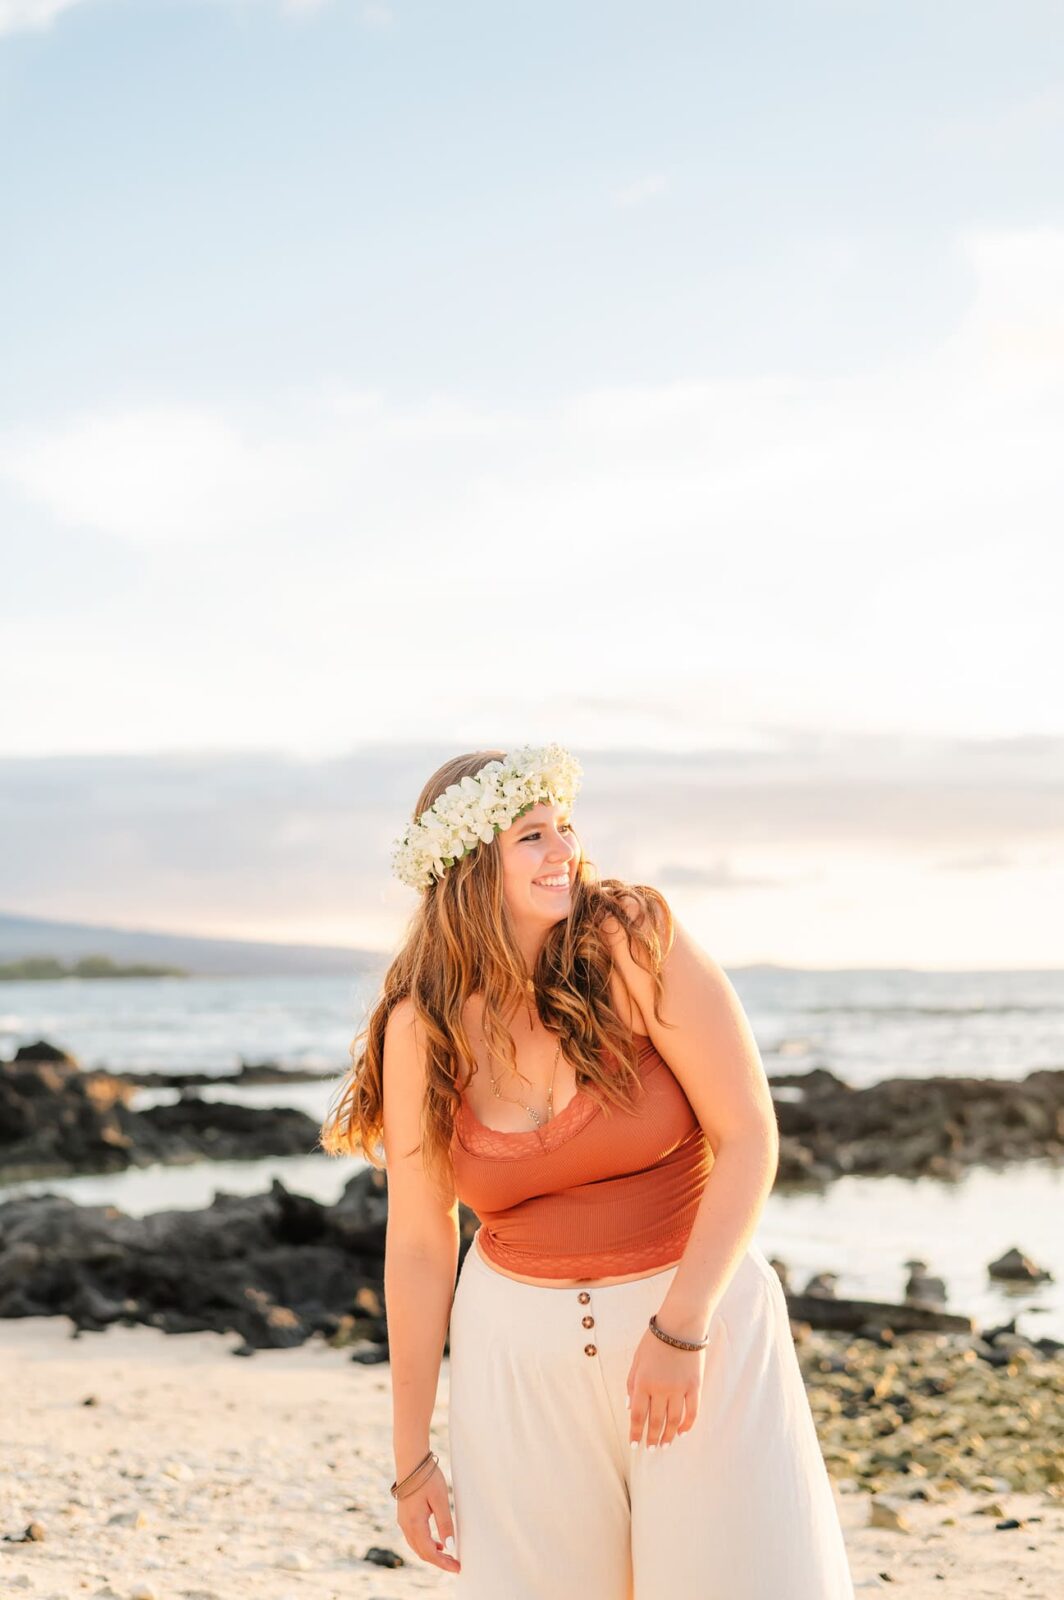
490	941
553	1049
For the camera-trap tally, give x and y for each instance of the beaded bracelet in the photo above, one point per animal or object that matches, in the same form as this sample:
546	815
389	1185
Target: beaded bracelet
681	1344
401	1483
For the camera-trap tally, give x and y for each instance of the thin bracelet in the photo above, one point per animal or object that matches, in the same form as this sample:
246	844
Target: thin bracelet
414	1487
401	1483
681	1344
431	1461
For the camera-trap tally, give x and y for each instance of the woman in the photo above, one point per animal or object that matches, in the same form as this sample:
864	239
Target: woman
555	1051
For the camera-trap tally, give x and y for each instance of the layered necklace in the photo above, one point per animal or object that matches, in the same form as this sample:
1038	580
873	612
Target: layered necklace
497	1092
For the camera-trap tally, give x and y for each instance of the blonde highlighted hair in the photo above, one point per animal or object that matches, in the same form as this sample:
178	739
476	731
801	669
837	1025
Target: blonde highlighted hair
459	943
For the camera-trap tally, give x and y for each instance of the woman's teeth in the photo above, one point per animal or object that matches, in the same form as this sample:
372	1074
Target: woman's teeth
561	882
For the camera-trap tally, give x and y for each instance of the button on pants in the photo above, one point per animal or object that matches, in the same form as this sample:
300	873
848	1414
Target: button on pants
551	1502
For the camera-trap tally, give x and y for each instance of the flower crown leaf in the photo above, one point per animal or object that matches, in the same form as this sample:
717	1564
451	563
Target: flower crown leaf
473	810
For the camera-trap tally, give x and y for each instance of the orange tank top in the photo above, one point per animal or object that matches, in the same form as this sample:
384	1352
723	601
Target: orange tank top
589	1194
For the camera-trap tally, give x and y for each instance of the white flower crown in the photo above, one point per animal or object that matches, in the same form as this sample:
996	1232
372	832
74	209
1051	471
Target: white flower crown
478	808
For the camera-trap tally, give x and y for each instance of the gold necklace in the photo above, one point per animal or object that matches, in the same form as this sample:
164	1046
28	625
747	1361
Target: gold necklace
536	1118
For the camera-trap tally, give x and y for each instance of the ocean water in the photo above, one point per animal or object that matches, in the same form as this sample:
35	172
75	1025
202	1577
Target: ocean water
862	1025
187	1024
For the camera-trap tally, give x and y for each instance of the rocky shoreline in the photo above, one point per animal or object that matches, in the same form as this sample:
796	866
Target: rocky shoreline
925	1415
911	1401
914	1127
56	1120
942	1437
275	1268
280	1267
916	1407
908	1399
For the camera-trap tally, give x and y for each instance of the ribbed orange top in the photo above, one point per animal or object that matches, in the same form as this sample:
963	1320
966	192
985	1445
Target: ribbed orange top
588	1195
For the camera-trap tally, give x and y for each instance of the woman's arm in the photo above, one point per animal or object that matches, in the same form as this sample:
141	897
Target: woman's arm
420	1264
713	1054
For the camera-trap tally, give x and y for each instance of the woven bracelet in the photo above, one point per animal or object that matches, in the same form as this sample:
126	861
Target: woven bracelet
681	1344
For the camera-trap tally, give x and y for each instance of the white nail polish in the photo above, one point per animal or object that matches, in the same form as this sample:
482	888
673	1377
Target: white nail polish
635	1444
448	1544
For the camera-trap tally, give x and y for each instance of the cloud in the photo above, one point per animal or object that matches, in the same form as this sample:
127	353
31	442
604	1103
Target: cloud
898	447
106	471
17	16
738	556
302	847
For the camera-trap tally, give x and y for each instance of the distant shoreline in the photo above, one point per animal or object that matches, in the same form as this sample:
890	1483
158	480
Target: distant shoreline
46	969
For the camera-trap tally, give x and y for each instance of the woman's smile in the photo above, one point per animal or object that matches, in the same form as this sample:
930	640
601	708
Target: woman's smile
556	883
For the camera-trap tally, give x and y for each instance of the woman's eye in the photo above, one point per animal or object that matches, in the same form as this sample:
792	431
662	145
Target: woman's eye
528	837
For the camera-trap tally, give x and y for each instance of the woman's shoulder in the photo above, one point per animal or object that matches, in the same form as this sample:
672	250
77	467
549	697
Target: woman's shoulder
645	920
401	1019
403	1042
644	912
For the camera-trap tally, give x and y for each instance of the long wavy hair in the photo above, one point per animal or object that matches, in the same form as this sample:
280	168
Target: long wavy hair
460	942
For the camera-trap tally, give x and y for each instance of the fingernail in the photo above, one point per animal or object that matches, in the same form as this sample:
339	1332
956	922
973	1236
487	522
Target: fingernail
628	1402
448	1544
635	1444
652	1447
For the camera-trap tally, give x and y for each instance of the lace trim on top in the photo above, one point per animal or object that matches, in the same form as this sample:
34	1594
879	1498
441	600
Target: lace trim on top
584	1265
476	1137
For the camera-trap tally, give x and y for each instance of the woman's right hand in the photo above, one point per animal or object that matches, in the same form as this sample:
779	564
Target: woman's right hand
412	1514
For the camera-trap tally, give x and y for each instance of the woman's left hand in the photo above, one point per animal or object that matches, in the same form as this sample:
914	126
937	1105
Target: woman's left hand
664	1389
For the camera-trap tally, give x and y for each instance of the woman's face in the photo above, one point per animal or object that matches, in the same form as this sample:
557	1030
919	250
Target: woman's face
540	853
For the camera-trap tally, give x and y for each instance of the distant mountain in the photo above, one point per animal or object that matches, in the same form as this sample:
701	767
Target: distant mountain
22	937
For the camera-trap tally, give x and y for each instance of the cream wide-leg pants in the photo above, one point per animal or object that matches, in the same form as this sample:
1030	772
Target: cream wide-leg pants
552	1503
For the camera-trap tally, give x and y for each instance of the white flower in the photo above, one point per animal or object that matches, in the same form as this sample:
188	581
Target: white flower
472	811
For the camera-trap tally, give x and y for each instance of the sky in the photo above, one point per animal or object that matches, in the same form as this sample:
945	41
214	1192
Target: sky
683	383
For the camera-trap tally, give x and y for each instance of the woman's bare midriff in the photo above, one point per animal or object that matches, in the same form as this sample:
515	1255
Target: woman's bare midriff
571	1283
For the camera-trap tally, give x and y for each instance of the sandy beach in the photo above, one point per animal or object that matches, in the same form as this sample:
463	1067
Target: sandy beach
160	1467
